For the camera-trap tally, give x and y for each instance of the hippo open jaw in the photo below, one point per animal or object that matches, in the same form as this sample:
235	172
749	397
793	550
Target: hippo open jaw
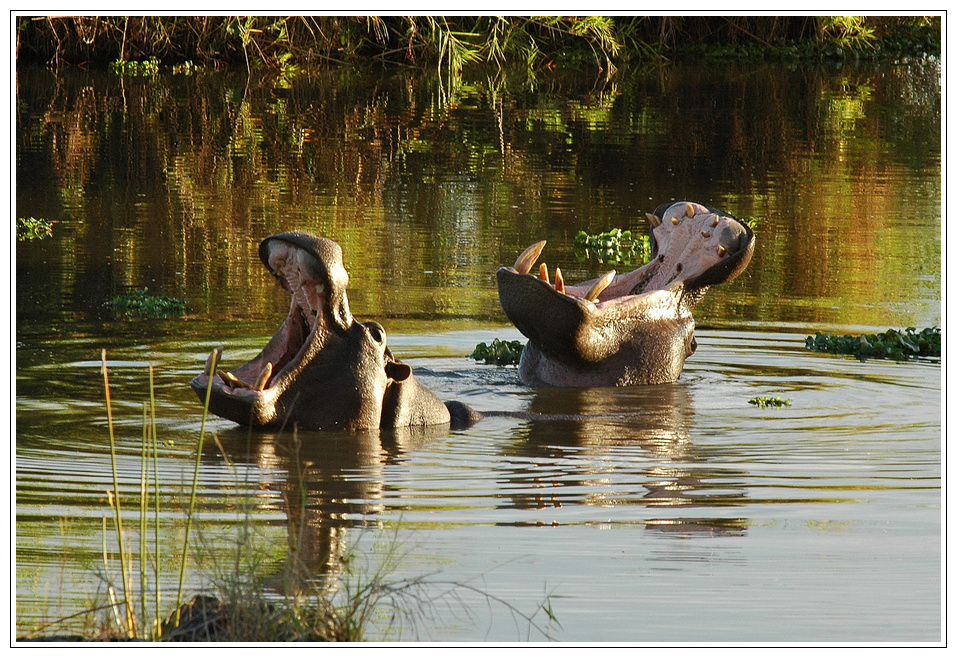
624	329
248	394
322	370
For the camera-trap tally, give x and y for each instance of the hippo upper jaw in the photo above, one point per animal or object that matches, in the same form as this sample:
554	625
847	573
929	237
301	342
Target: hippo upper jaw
625	329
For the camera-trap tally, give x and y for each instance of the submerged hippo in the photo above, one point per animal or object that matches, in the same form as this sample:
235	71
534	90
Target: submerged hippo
322	370
625	329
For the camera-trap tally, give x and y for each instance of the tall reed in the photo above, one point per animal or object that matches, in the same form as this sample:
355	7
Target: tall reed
115	502
148	452
213	362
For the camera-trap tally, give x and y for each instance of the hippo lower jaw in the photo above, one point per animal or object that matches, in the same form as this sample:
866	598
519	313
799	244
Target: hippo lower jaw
627	329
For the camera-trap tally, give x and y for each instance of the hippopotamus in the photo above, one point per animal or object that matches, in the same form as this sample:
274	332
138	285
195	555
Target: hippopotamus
625	329
322	370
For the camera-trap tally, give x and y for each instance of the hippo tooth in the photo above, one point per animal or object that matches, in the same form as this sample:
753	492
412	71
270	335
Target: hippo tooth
212	360
599	286
264	377
675	221
233	380
714	222
543	272
529	256
721	250
654	220
559	281
690	210
705	234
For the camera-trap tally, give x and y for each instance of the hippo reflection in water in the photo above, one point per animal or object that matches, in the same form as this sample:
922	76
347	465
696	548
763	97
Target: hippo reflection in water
625	329
324	370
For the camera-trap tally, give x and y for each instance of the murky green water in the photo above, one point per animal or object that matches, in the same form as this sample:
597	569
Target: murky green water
682	514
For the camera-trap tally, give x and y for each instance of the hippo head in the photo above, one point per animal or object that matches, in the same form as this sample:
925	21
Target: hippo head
322	370
625	329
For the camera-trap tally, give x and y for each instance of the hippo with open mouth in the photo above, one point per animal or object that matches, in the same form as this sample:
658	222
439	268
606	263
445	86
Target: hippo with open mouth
625	329
322	370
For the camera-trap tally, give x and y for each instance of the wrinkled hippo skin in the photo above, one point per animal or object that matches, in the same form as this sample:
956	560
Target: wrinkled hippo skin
625	329
322	370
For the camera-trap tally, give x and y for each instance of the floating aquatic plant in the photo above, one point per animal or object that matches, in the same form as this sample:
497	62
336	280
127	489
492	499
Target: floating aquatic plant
763	401
892	344
31	228
145	67
500	352
140	304
613	247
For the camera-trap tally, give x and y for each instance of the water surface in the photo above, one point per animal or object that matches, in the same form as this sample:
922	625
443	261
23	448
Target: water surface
677	513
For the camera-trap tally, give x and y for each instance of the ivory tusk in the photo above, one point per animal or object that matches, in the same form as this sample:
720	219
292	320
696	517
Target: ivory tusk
600	286
264	377
529	256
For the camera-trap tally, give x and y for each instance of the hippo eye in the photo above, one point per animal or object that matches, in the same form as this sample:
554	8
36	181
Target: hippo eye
377	332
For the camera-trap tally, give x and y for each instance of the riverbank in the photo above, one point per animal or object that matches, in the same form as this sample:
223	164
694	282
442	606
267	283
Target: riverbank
454	43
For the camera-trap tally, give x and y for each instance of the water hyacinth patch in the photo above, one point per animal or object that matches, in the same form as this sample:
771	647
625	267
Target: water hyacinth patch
613	247
500	352
145	67
892	344
140	304
763	401
31	228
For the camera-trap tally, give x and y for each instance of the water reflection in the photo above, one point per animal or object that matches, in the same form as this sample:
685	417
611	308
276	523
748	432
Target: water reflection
170	182
327	482
596	429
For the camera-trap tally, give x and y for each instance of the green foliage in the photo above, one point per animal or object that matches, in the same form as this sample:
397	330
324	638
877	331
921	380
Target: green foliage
146	67
826	38
500	352
843	33
30	228
613	247
763	401
140	304
891	344
452	43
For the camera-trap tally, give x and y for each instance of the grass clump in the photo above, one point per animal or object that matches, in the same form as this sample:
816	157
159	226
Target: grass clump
499	352
892	344
613	247
140	304
31	228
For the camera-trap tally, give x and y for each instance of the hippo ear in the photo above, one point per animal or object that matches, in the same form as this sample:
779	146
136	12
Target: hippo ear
398	371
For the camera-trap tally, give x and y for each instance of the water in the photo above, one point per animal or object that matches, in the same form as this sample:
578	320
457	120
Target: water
680	513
